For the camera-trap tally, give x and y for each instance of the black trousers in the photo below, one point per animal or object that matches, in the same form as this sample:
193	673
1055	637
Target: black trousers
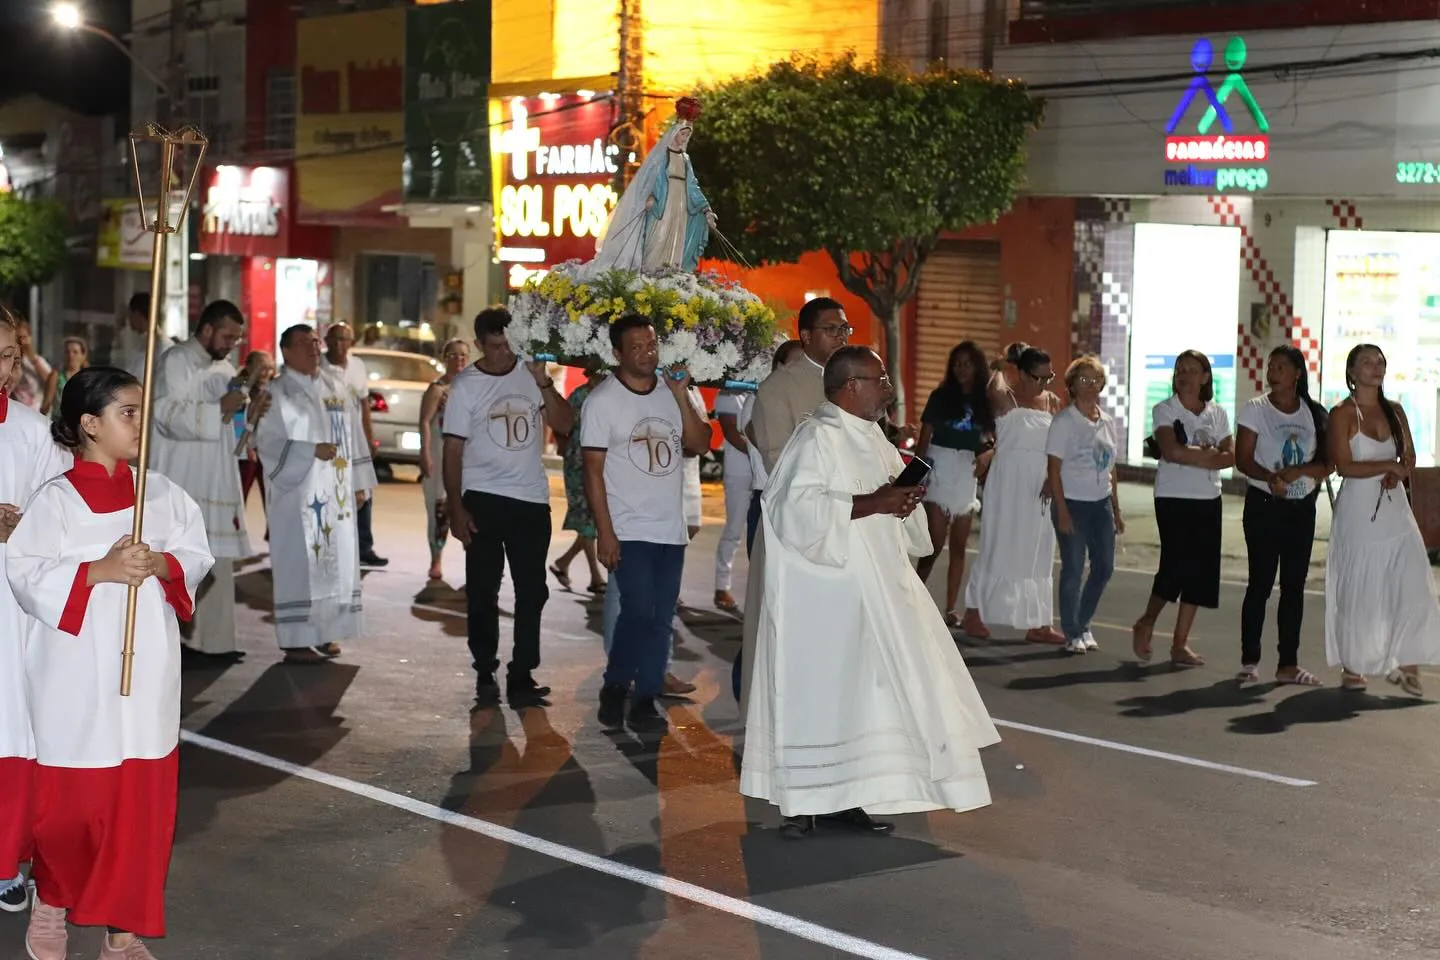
1279	535
506	528
363	529
1189	551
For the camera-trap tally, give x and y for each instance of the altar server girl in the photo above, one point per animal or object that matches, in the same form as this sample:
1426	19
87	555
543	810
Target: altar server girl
106	765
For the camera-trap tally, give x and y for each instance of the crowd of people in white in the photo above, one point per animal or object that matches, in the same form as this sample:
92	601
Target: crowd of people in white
854	693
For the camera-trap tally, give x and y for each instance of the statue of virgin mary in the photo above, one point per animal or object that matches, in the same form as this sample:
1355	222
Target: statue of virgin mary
663	221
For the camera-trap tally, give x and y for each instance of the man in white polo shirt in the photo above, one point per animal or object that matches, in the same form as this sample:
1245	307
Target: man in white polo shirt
499	499
350	370
634	435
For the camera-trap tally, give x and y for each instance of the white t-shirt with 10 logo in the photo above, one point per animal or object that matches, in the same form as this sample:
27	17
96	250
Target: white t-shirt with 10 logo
644	476
499	417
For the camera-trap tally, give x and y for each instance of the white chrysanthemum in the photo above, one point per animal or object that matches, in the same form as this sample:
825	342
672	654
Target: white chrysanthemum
575	337
728	354
679	347
600	343
756	371
705	367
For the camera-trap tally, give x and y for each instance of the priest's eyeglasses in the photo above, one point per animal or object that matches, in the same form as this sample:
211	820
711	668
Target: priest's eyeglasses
836	330
883	378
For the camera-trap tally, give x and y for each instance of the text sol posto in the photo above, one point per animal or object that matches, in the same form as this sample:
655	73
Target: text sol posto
577	210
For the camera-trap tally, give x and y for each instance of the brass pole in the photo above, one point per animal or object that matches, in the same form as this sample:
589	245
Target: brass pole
147	394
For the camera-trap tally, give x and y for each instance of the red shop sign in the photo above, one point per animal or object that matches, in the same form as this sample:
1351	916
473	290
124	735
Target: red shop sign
246	212
557	172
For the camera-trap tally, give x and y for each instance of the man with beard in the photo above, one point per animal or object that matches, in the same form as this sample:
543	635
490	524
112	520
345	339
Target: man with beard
197	397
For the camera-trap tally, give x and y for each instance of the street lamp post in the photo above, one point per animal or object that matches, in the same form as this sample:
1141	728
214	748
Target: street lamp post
68	17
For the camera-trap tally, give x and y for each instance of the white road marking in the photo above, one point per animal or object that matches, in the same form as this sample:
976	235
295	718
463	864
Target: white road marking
1156	754
784	922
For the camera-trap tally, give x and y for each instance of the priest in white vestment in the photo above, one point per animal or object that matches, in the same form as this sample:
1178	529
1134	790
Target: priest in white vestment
317	467
197	396
861	701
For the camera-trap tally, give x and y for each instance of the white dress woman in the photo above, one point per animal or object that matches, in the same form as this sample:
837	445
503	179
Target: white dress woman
1381	612
1011	582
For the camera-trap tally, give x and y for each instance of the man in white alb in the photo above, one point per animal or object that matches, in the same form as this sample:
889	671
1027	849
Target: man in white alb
197	396
351	371
499	500
861	700
317	469
128	351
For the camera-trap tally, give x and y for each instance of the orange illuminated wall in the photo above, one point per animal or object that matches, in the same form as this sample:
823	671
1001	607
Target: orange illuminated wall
1037	267
787	284
685	43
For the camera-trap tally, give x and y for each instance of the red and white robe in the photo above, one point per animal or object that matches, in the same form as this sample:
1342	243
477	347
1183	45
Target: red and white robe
106	765
28	457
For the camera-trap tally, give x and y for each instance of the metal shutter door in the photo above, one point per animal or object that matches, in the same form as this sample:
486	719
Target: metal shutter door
961	298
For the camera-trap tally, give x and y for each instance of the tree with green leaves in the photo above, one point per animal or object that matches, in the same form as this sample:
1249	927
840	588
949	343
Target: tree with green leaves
32	241
870	162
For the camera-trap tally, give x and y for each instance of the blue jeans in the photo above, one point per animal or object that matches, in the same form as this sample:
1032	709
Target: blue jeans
612	617
1094	526
648	579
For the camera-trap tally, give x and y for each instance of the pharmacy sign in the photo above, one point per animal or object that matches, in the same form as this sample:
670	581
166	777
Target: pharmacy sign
1226	160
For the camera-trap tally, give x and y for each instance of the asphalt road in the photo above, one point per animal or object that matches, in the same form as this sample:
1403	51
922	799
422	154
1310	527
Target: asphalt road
357	810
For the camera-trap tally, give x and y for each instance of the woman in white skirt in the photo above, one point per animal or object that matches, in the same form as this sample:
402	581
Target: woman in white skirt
1011	582
956	433
1381	613
456	357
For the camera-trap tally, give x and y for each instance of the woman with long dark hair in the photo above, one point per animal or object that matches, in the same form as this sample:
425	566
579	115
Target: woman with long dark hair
1280	447
1381	612
1195	445
956	431
1011	583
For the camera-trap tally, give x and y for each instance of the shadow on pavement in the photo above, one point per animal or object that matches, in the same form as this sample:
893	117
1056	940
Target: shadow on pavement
289	712
195	678
1323	705
1125	671
540	790
1223	694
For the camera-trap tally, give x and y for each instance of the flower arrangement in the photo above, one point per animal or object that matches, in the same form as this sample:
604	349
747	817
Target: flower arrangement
712	325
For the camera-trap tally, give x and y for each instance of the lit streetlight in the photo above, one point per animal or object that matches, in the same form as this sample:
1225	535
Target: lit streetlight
68	16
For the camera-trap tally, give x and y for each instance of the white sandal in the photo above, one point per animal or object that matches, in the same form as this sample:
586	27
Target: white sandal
1409	682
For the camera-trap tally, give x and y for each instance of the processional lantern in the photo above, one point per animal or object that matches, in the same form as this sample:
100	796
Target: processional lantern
176	148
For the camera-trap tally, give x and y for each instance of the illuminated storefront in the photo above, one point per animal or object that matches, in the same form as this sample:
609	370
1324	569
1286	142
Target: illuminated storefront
1384	288
247	227
555	175
1222	206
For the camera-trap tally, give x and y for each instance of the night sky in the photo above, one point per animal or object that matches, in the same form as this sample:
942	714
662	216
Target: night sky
80	70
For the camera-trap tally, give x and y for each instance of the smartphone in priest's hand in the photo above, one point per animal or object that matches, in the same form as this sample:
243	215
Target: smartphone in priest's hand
915	473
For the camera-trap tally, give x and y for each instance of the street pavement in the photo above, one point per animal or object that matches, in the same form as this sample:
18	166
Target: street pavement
358	810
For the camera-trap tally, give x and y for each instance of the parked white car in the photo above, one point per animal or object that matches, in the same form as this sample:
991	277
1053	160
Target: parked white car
398	381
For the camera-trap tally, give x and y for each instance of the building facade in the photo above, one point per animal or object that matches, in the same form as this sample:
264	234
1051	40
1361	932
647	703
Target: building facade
1242	177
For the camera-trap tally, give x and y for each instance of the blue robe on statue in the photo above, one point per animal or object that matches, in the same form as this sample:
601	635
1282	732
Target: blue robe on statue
697	229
